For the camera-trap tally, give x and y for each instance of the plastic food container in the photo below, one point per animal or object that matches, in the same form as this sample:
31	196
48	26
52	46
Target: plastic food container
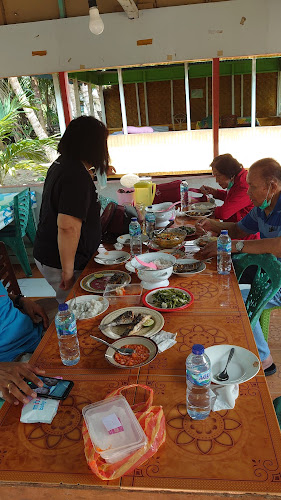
113	428
126	295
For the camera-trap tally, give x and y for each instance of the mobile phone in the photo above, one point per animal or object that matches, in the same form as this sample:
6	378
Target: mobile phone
53	388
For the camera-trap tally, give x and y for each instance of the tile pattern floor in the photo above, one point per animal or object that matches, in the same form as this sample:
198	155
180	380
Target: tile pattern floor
274	381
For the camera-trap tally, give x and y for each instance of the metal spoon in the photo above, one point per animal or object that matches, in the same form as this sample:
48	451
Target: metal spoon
123	350
223	376
159	231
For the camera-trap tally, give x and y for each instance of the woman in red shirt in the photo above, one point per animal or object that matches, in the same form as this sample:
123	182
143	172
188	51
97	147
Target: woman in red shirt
231	176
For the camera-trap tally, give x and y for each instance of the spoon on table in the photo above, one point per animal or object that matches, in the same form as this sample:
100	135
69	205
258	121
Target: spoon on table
123	350
151	265
223	376
159	231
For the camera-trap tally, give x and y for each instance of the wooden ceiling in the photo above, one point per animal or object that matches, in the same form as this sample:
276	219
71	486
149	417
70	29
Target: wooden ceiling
25	11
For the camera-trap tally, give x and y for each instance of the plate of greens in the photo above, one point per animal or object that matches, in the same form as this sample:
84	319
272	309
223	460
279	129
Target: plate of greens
168	299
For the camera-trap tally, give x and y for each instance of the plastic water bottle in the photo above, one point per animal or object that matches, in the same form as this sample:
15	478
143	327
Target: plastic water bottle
150	222
67	334
198	379
135	237
184	195
224	253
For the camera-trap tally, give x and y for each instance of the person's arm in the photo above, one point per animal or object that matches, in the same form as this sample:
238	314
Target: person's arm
221	194
266	245
69	231
12	383
216	226
32	309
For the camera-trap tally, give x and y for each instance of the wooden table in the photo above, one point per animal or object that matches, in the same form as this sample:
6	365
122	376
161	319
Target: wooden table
236	451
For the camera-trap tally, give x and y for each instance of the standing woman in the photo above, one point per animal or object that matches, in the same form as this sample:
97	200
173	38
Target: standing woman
69	229
231	176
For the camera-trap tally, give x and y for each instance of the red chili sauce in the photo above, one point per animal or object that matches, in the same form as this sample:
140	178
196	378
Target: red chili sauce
140	355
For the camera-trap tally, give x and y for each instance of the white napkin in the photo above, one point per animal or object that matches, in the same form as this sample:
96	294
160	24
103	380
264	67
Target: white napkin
164	340
223	397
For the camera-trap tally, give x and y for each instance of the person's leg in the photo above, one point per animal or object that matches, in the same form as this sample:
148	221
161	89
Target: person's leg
53	276
261	343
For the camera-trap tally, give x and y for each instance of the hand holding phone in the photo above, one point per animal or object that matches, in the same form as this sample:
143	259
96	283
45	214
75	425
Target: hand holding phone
53	388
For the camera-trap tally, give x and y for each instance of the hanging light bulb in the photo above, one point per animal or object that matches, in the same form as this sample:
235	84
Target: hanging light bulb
96	25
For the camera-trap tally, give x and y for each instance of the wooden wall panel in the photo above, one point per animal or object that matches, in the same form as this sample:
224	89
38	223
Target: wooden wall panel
112	107
266	94
22	11
131	104
198	105
159	102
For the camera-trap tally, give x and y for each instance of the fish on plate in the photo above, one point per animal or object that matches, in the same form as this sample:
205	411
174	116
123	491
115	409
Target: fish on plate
133	322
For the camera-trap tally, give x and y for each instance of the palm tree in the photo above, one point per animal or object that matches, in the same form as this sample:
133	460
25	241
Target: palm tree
16	150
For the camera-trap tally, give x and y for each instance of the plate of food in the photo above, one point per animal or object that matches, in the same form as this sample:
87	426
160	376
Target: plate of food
96	282
197	214
145	350
88	306
190	230
131	321
204	240
188	267
168	299
112	257
124	239
243	366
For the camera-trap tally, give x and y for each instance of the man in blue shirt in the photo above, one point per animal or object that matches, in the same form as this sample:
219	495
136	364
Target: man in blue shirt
20	331
264	179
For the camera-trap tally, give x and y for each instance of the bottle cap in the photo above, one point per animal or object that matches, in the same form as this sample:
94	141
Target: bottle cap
149	206
198	349
63	307
224	231
134	219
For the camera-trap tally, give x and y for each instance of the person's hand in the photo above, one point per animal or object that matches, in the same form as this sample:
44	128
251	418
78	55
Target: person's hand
67	280
208	190
12	383
111	170
34	311
206	225
208	251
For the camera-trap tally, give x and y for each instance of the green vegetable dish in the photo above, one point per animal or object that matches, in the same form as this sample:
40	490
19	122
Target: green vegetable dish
170	298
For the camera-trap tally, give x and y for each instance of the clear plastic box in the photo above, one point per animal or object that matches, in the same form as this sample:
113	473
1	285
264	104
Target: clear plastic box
113	428
126	295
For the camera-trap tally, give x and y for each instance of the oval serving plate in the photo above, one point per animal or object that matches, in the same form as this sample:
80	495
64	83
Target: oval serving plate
81	299
148	299
116	332
96	282
186	273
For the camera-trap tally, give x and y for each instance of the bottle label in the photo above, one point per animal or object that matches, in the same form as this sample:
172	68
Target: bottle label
70	330
199	378
222	247
135	230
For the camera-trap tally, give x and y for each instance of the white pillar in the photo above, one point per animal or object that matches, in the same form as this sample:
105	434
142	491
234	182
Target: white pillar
253	94
59	103
138	103
91	102
77	98
145	105
187	101
207	96
103	114
122	101
172	103
242	97
278	107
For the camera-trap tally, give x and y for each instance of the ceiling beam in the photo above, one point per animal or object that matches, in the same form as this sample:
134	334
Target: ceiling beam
130	8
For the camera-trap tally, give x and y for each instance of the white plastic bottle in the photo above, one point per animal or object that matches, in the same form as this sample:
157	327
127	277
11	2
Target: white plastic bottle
135	237
224	253
150	222
67	335
198	379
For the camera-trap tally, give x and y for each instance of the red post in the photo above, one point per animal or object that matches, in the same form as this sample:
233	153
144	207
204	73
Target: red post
216	104
63	79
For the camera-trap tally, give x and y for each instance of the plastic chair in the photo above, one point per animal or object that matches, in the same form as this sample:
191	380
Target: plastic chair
266	282
265	320
7	274
12	235
277	407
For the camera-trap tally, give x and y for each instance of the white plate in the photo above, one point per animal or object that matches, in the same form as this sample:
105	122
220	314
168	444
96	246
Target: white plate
201	267
86	298
243	366
124	239
90	283
116	331
112	257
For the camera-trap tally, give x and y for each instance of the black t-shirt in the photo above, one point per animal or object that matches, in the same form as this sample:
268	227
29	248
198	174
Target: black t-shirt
68	189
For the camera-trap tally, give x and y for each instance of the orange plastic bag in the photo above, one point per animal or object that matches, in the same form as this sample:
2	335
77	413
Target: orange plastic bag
151	419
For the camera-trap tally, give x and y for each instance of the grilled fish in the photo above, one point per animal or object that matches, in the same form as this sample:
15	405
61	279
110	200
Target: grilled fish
136	324
124	319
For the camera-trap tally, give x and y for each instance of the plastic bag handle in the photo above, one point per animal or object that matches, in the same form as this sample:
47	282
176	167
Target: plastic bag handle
138	406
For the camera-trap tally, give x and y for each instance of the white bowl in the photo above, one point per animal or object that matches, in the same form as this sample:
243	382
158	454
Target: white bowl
162	218
243	366
154	278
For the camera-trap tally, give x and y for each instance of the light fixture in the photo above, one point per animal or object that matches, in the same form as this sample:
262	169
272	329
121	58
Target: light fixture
96	25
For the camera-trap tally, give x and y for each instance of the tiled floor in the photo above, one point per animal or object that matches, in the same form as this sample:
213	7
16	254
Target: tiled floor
274	381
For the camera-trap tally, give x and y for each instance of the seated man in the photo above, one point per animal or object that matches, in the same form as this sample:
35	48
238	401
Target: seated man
20	331
264	179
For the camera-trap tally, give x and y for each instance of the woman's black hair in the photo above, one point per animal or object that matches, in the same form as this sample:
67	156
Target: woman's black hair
226	165
85	139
